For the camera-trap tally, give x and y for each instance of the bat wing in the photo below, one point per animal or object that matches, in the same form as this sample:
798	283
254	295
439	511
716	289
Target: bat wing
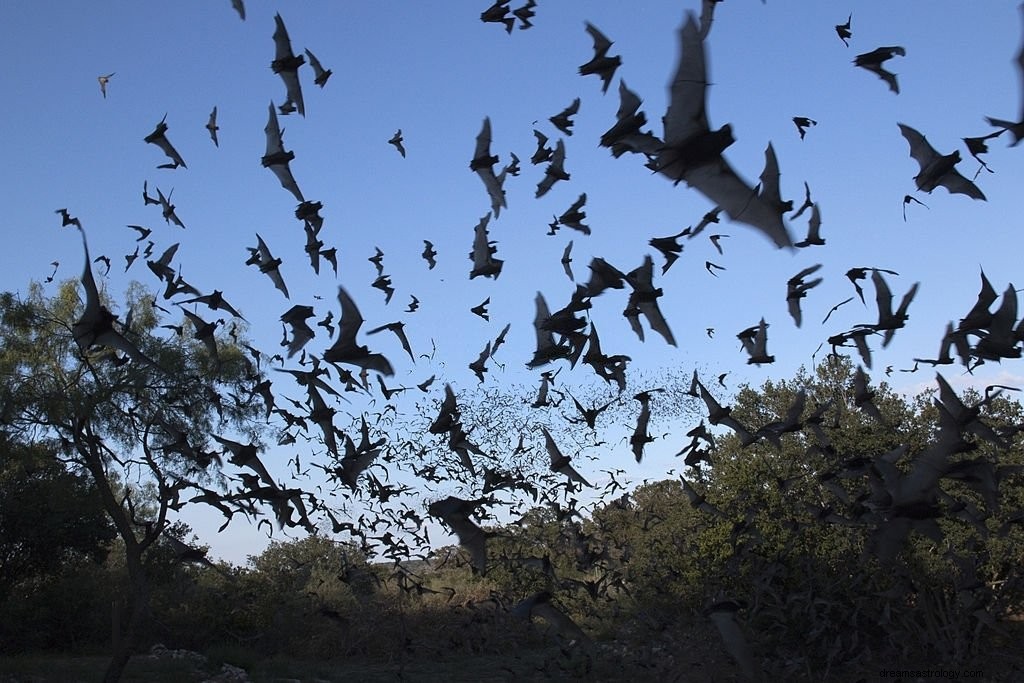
351	319
719	183
921	151
686	114
957	183
601	42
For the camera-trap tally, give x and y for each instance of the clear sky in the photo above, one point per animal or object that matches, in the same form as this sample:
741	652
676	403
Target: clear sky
434	70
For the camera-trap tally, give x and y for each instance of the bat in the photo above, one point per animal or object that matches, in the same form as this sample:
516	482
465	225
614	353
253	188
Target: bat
455	513
555	170
561	464
95	327
844	32
167	209
215	302
398	329
524	14
644	298
601	64
797	288
483	165
270	266
937	169
562	120
212	127
543	152
802	124
479	366
429	254
693	152
872	61
396	140
567	261
320	74
345	349
888	321
481	309
978	146
625	135
755	343
498	14
814	237
573	216
277	159
286	65
295	317
483	252
159	138
104	80
239	6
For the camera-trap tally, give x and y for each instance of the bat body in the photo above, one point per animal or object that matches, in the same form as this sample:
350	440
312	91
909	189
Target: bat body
212	127
601	64
483	252
320	74
555	170
345	349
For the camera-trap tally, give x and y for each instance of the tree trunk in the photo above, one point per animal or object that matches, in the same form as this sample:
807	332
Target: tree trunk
132	617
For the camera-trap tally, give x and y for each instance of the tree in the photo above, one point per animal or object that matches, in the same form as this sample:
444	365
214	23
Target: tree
120	423
48	515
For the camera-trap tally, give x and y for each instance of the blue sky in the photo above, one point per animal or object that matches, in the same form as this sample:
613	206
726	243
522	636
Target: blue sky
435	71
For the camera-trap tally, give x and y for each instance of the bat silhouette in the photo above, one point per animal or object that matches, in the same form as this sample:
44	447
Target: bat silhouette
239	6
104	80
524	14
814	237
873	61
555	170
286	65
797	288
693	152
888	321
483	165
481	309
295	317
543	152
414	304
1016	129
978	146
429	254
644	298
455	513
755	343
320	74
479	366
214	302
498	14
802	124
844	32
625	135
203	331
573	216
270	266
277	159
483	252
345	349
562	120
601	64
96	325
855	274
561	464
937	169
167	209
212	127
669	248
397	140
158	137
567	261
398	329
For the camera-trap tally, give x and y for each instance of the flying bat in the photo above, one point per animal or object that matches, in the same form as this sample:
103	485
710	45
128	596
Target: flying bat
574	215
601	64
429	254
212	127
978	146
625	135
873	61
562	120
159	138
239	6
270	266
397	140
555	170
937	169
483	252
167	209
295	317
524	14
693	152
104	80
277	159
561	464
345	349
214	302
813	230
479	366
286	65
498	14
844	32
483	165
398	329
543	152
320	74
481	309
644	298
755	343
889	321
455	513
802	124
567	261
797	288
